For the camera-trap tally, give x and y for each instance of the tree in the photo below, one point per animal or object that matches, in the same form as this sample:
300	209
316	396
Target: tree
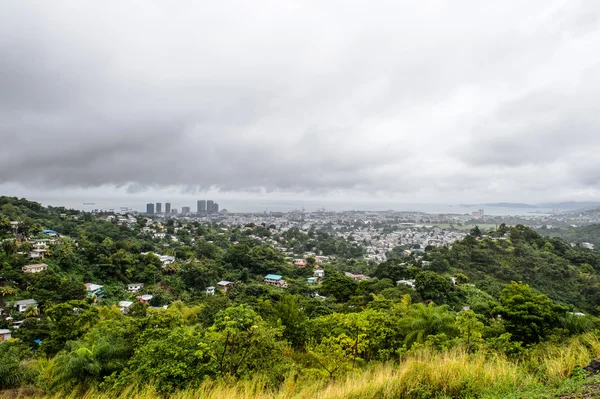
293	319
339	286
529	317
470	329
245	345
180	359
431	285
421	321
31	311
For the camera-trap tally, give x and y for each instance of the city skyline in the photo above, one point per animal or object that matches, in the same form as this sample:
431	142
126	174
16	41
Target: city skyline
206	207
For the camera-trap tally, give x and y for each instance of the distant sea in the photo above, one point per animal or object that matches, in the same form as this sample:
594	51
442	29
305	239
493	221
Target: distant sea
268	205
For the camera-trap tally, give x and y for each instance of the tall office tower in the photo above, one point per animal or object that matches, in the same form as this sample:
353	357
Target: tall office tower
201	206
158	207
174	211
150	209
167	207
209	206
216	208
185	210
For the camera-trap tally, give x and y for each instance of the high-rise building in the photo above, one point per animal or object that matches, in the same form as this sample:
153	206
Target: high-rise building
167	207
158	207
174	211
150	209
201	206
209	206
185	210
215	208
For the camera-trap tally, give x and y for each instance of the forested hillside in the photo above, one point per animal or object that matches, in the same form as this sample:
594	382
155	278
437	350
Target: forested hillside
500	314
577	235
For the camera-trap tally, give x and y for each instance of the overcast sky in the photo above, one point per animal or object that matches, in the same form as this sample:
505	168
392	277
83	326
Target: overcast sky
434	101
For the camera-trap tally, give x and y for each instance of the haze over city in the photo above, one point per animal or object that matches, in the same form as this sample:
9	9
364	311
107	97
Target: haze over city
394	102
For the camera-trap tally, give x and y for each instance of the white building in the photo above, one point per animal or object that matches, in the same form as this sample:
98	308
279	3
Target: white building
37	268
22	305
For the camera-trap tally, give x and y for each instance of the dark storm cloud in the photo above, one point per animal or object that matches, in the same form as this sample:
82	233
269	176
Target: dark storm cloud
301	96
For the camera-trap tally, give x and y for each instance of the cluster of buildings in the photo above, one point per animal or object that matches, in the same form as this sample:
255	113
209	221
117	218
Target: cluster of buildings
203	207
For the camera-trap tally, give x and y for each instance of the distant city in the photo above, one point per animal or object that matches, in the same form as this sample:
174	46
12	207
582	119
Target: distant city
203	207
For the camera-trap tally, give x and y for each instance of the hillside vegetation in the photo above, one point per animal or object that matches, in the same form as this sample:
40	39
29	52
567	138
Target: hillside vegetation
489	316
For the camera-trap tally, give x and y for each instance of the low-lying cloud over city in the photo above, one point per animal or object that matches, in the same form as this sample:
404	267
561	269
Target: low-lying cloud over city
428	101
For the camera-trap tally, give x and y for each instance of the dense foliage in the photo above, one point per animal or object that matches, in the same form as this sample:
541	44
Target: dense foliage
503	295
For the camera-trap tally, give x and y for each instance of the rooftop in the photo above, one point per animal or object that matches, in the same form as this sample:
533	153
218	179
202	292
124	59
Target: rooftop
273	277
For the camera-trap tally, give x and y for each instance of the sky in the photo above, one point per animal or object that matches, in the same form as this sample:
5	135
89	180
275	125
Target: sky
433	101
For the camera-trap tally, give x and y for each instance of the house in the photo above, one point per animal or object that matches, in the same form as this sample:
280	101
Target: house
124	306
4	335
319	273
22	305
299	263
224	285
94	289
311	280
166	260
356	277
38	253
410	283
275	280
145	298
40	267
50	233
210	291
135	287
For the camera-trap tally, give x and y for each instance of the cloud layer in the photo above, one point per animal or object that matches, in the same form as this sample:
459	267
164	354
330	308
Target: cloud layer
439	99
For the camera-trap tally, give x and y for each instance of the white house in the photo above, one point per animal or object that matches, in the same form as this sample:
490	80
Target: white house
135	287
40	267
210	291
319	273
124	306
4	335
22	305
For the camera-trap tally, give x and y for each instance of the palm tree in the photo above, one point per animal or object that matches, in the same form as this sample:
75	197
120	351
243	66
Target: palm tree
421	321
6	291
31	311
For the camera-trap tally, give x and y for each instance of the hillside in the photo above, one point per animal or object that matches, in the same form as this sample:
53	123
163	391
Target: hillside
576	235
176	307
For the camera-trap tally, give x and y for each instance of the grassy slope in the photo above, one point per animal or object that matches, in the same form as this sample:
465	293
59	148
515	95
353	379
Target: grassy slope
452	374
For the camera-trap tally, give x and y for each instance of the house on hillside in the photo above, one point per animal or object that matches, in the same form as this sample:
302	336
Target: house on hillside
4	335
37	268
135	287
275	280
94	289
50	233
209	291
124	306
356	277
22	305
319	273
224	285
145	298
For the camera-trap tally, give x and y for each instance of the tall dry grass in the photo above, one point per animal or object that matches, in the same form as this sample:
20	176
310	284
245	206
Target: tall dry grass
425	374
